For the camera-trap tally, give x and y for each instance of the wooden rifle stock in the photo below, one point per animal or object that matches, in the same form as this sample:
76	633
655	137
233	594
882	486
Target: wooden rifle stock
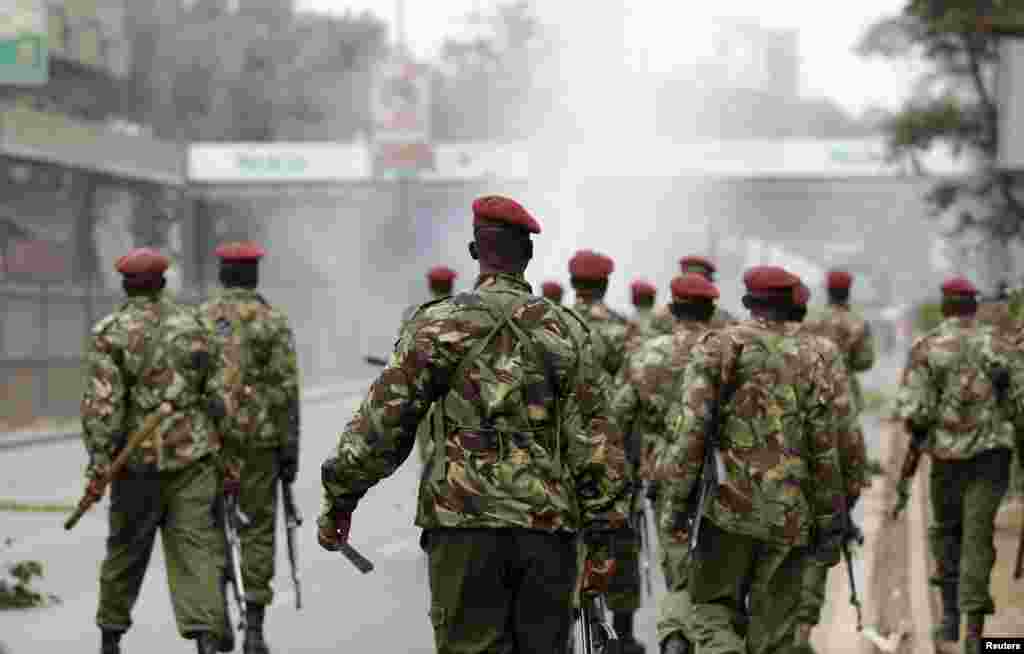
147	428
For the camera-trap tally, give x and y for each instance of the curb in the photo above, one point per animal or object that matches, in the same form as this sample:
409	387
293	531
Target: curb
317	395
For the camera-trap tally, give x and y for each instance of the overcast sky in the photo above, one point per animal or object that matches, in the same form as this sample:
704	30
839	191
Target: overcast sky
659	34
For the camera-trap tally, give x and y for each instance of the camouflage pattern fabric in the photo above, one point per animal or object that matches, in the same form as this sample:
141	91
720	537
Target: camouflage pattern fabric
852	334
257	340
610	328
640	329
506	463
947	389
149	352
424	435
999	315
663	321
779	433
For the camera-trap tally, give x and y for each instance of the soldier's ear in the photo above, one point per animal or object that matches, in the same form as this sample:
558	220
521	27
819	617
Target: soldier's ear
473	251
747	304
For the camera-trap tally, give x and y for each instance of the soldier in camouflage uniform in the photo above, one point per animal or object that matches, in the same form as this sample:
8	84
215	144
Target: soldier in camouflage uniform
998	313
153	355
853	465
528	459
440	280
645	387
552	291
959	396
779	497
257	339
643	294
663	322
589	272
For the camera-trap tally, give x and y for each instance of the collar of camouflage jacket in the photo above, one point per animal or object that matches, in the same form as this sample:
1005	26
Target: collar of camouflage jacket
502	281
143	300
961	322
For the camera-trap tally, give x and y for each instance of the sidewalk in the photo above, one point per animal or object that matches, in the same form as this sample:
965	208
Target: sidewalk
50	430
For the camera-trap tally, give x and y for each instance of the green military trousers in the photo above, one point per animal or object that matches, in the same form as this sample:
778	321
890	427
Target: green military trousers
745	593
675	608
258	500
965	496
500	591
624	587
181	505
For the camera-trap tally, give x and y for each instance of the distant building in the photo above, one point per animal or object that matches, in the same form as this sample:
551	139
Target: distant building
751	57
81	181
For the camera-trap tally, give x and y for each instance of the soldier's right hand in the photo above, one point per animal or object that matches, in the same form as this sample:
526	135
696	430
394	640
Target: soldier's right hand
597	575
94	490
333	529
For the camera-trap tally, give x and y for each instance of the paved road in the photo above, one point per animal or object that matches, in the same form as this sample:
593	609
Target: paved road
383	611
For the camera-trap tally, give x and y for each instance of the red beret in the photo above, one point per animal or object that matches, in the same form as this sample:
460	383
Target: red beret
551	290
239	251
441	275
496	208
768	280
142	261
693	285
838	279
587	264
801	294
694	263
958	286
642	289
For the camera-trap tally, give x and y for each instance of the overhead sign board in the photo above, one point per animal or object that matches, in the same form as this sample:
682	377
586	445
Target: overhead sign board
277	162
400	102
24	56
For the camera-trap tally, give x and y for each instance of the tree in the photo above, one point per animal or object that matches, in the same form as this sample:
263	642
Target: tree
485	86
954	103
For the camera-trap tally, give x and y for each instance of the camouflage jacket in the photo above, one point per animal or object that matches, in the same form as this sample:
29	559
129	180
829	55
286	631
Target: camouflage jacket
640	330
256	339
947	389
853	336
663	322
149	352
852	449
528	442
999	315
610	329
411	310
779	434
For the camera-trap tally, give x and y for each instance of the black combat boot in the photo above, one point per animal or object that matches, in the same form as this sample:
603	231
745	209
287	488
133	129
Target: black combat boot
206	643
949	627
975	630
111	643
676	644
254	643
622	621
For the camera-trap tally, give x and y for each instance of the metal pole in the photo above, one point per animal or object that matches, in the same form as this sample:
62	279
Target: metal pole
400	26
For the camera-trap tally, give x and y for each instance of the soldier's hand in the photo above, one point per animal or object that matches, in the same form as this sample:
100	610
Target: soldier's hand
94	490
332	530
597	575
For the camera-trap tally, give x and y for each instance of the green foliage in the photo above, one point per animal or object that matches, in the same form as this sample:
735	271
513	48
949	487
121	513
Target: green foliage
16	590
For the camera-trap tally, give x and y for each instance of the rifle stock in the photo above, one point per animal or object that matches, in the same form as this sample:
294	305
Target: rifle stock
375	361
147	428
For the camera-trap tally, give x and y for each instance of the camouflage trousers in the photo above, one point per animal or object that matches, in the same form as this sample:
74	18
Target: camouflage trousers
258	500
181	505
624	588
500	591
745	593
965	496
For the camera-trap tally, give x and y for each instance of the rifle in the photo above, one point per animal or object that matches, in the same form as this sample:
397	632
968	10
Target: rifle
136	439
375	361
908	470
640	525
292	521
851	533
712	469
594	634
362	563
234	520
